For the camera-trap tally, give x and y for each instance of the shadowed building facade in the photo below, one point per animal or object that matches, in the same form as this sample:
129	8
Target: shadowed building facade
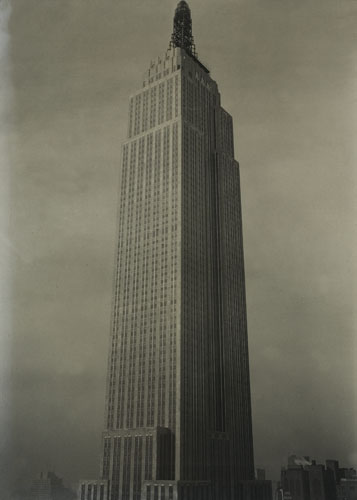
178	410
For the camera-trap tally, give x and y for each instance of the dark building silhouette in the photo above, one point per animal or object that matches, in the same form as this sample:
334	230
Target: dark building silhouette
333	466
347	473
304	479
295	480
347	484
322	482
178	409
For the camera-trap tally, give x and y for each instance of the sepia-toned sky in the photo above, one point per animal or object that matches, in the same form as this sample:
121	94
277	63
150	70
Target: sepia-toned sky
286	70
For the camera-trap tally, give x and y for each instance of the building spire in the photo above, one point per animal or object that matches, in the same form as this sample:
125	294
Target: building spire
182	34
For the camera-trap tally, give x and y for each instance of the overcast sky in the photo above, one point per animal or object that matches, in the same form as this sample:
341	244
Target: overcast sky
286	70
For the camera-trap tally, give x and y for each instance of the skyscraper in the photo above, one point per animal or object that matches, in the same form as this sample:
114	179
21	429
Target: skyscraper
178	411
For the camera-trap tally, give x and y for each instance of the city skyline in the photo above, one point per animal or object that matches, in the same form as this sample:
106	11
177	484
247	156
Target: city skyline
291	135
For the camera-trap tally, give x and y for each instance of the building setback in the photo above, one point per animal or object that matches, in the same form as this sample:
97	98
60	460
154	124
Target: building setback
178	410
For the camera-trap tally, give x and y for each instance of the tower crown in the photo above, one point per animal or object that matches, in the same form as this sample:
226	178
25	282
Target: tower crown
182	33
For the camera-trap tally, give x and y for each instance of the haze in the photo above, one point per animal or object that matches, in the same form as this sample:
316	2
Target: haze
286	70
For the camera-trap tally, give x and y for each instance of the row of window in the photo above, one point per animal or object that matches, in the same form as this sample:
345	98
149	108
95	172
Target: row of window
154	106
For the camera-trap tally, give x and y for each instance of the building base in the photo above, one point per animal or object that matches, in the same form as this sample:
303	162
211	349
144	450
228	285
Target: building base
255	490
202	490
176	490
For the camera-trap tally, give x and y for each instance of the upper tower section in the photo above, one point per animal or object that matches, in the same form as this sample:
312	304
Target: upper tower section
182	37
182	33
181	53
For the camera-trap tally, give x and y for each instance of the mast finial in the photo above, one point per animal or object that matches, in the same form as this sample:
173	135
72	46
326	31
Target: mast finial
182	33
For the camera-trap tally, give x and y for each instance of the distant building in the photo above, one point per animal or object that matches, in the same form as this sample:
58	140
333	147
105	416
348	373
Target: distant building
295	481
333	466
322	483
304	479
48	486
347	487
347	473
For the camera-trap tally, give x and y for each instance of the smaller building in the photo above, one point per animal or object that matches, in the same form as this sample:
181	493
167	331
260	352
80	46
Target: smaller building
48	486
304	479
347	473
322	482
295	483
334	466
347	487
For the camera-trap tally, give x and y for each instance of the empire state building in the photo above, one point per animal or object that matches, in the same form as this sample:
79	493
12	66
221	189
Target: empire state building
178	410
